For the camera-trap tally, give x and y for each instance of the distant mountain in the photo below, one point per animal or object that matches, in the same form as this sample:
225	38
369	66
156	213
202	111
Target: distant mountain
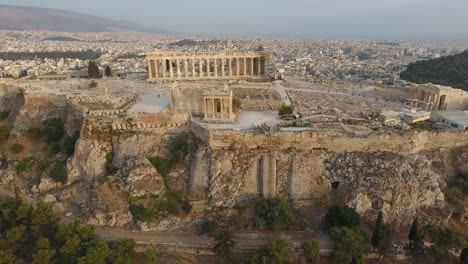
32	18
449	71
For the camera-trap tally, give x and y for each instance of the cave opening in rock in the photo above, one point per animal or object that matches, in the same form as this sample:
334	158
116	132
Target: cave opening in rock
377	204
335	185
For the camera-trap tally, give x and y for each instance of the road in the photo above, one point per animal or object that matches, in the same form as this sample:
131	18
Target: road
188	239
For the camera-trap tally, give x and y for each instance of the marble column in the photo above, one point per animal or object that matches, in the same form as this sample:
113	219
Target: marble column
213	107
200	68
178	68
237	67
216	67
222	67
164	68
193	67
171	70
150	69
208	67
156	69
245	66
221	103
252	67
204	105
185	68
230	67
230	105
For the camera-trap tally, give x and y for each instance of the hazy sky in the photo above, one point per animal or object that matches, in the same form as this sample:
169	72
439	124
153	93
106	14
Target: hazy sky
348	18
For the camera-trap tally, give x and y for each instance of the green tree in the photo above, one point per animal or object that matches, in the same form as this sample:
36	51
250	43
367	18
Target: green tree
285	110
58	173
93	70
225	243
276	212
96	252
340	215
464	256
377	232
311	251
277	251
44	253
123	253
350	244
149	256
108	71
386	242
445	239
416	245
6	257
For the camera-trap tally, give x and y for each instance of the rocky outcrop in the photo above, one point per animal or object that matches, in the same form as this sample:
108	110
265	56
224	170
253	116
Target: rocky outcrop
108	207
142	179
395	184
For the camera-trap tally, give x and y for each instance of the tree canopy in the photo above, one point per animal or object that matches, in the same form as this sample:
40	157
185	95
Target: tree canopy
341	215
350	245
35	235
450	71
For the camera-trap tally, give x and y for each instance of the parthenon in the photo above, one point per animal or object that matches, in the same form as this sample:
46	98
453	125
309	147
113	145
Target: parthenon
180	65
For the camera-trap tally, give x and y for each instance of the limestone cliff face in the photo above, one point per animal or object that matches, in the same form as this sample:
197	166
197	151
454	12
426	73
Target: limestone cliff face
398	184
393	183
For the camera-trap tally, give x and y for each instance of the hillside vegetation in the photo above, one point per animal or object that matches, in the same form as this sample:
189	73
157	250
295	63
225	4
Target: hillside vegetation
449	71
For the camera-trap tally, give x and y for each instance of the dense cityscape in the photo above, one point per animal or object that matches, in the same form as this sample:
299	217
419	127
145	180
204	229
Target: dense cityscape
127	144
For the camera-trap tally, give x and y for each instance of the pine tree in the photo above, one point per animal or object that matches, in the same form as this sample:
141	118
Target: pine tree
108	71
377	232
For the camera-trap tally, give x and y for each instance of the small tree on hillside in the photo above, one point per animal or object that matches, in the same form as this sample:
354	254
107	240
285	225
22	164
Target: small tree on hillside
93	70
377	232
311	251
416	245
224	244
285	110
385	244
350	245
108	71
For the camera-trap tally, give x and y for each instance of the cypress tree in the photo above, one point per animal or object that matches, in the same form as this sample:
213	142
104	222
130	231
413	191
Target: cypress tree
416	245
108	71
377	232
414	231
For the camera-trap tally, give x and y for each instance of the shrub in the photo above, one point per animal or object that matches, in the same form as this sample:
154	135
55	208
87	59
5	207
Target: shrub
53	130
16	148
285	110
141	213
34	132
224	244
25	165
4	132
59	172
4	115
209	227
92	84
445	239
275	212
343	216
111	169
275	252
69	144
149	256
311	251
